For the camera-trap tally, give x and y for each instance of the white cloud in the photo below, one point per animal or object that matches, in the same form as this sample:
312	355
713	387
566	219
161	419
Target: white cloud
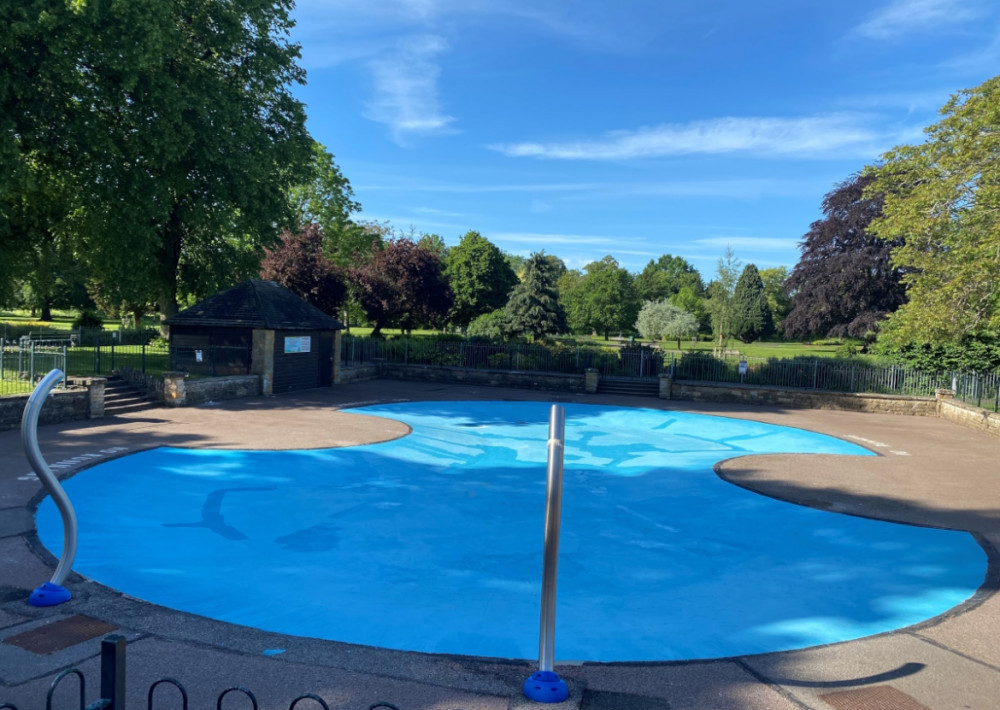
902	17
755	243
831	135
406	94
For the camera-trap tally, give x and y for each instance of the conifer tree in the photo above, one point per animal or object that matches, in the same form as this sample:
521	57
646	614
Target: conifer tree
752	319
533	308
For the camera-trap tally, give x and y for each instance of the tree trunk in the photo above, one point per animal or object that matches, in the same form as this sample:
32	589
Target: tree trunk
170	257
46	310
137	314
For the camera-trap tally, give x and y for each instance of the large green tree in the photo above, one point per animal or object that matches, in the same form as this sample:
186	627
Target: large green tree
752	319
601	300
327	199
533	309
942	201
479	276
778	298
665	277
178	121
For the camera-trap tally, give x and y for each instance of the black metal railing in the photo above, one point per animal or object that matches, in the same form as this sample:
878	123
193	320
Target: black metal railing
827	374
113	670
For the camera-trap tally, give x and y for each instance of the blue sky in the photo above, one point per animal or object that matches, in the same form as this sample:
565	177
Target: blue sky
632	128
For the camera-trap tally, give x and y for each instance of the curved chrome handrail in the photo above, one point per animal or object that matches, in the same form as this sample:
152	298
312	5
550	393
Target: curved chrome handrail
52	592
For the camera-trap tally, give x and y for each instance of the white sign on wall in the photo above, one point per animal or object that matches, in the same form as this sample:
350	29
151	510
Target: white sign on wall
301	344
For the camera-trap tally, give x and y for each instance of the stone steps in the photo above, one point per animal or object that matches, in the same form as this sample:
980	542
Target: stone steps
635	386
122	398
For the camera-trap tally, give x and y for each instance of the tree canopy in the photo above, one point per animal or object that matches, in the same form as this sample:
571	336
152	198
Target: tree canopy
603	299
662	319
752	319
666	277
479	276
299	264
402	284
845	282
720	293
179	121
941	219
533	309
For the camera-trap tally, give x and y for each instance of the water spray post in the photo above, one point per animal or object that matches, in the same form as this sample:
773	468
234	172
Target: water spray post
545	685
51	592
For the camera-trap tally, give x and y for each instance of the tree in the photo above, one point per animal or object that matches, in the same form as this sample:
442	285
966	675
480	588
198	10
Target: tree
662	319
845	282
327	199
687	300
752	319
401	284
720	292
434	243
665	277
533	308
602	300
178	121
942	221
778	299
479	276
300	265
491	326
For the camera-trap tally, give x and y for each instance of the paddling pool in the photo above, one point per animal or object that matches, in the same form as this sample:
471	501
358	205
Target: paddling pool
433	542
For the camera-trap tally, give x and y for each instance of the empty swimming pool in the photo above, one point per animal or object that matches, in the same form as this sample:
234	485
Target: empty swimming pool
432	542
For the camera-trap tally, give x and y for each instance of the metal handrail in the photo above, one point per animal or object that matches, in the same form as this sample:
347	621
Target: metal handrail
52	592
545	685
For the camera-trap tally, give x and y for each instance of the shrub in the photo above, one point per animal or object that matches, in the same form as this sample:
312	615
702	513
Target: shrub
88	319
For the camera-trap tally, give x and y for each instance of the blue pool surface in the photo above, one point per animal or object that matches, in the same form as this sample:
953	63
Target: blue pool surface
433	542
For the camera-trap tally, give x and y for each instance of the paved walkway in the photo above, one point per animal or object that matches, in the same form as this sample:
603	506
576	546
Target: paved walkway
929	472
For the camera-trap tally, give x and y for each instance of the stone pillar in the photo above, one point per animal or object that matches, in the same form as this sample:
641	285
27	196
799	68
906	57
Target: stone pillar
942	396
590	380
95	403
338	344
666	386
174	394
262	359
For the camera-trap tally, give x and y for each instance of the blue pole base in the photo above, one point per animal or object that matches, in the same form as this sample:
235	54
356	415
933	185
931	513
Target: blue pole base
546	687
49	594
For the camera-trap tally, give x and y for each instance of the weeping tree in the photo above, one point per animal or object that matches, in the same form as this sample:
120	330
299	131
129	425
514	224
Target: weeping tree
662	319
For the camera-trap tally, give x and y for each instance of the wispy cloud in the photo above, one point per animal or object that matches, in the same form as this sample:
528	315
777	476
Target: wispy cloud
406	93
746	189
812	136
754	243
902	17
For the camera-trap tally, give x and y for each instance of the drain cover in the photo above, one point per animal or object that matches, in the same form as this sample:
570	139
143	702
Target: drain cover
878	697
60	634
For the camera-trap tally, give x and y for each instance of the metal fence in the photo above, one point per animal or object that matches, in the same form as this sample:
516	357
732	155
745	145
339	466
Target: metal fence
172	695
982	390
818	373
23	363
633	362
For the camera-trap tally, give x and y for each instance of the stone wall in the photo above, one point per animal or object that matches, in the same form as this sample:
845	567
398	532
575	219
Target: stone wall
793	398
216	389
152	385
967	415
60	406
357	373
489	378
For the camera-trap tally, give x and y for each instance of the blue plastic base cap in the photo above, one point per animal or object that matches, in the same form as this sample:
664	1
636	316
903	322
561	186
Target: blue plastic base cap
546	687
49	595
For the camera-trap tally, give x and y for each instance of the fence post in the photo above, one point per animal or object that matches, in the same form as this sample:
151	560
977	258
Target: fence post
144	358
97	354
65	362
114	337
113	671
31	362
815	371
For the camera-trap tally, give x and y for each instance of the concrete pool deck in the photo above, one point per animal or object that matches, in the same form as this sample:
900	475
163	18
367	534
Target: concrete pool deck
929	472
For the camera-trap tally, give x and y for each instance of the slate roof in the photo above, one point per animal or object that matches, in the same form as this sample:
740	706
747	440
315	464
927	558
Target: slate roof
257	304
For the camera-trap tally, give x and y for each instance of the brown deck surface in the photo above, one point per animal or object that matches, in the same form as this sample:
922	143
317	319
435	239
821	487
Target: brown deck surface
929	472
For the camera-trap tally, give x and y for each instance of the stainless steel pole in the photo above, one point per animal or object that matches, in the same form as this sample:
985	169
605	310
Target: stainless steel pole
545	685
52	592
